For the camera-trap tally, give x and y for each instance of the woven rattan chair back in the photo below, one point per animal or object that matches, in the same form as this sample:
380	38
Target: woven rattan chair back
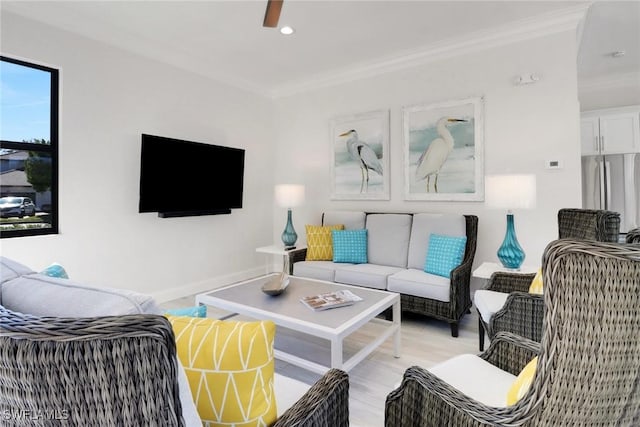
589	366
588	224
633	236
109	371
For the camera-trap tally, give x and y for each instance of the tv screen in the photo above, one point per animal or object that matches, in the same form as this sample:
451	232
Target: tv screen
185	178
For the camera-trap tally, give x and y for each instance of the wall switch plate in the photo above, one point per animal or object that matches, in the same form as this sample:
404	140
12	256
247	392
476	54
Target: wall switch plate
553	164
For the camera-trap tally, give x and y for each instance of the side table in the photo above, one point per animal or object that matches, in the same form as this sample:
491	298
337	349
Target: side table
285	253
486	269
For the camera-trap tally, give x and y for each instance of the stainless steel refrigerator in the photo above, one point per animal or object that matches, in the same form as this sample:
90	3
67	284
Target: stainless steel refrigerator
612	182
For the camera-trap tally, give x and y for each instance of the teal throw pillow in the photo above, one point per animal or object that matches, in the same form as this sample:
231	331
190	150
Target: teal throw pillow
350	246
445	253
196	311
55	270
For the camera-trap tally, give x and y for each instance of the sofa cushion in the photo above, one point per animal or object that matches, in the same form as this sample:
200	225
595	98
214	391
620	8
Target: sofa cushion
368	275
476	378
319	242
389	239
489	302
350	246
230	366
444	254
42	295
425	224
352	220
9	270
321	270
420	284
288	391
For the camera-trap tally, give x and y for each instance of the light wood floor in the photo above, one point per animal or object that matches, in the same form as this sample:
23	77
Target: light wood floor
425	342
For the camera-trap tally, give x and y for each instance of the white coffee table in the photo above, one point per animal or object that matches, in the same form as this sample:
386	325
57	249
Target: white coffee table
286	311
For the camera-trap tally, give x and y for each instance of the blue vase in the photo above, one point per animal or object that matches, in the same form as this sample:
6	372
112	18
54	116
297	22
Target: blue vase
510	253
289	235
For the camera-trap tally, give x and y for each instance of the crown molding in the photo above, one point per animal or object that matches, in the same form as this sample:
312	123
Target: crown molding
611	81
530	28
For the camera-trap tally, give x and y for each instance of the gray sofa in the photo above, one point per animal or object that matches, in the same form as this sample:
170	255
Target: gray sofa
397	247
105	356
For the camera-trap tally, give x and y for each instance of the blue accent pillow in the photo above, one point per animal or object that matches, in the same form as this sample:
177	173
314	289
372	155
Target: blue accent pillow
196	311
350	246
55	270
445	253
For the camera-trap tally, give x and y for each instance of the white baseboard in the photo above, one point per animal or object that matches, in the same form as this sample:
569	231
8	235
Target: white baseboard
205	285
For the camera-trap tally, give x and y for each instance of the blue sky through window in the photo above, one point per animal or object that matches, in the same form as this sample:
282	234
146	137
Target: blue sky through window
25	102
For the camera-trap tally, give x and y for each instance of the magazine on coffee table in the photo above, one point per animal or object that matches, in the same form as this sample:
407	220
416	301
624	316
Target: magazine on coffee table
329	300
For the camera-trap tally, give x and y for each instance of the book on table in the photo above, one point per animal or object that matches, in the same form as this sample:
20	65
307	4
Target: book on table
329	300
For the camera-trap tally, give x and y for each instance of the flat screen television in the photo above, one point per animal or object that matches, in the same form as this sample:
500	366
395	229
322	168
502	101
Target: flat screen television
186	178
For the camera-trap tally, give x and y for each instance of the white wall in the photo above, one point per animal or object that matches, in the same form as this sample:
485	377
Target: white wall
524	126
108	98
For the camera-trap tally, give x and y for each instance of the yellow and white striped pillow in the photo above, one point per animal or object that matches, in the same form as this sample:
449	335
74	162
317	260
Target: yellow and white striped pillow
230	368
536	284
522	383
319	243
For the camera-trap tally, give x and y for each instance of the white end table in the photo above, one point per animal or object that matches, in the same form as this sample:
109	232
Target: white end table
486	269
280	250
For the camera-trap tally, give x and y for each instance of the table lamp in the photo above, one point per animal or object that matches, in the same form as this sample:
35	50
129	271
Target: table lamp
289	196
511	192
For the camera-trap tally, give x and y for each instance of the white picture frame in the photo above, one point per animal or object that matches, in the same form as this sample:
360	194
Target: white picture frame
360	156
446	163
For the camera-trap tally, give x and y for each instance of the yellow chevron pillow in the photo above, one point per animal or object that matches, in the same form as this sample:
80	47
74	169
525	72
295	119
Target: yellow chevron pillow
522	383
230	367
319	245
536	284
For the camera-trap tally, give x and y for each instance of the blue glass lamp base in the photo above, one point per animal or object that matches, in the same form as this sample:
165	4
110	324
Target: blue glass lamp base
289	235
510	253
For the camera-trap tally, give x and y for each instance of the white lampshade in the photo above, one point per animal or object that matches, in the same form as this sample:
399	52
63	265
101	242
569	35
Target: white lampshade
510	191
289	195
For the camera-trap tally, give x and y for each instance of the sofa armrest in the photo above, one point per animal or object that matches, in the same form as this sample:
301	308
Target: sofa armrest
521	314
509	282
296	255
325	404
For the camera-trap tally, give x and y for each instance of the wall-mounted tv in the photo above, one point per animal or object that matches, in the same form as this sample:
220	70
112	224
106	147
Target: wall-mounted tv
186	178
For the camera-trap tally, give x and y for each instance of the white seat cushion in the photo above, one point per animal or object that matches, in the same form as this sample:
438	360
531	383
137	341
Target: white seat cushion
321	270
288	391
418	283
476	378
368	275
489	302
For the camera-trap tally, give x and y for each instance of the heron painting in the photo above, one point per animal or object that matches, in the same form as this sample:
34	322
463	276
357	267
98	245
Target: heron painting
443	151
360	156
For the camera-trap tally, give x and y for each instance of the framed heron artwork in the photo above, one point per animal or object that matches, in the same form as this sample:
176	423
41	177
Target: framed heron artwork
444	151
360	156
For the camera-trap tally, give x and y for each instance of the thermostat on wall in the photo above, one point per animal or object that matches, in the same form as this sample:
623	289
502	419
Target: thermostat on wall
553	164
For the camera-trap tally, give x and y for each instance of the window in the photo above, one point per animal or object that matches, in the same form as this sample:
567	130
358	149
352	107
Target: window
28	149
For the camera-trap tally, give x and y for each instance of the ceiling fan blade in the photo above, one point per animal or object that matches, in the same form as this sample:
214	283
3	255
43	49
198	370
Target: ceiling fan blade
272	14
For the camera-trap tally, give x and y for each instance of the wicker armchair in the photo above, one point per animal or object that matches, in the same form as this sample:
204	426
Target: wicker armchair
115	371
588	224
633	236
588	361
522	312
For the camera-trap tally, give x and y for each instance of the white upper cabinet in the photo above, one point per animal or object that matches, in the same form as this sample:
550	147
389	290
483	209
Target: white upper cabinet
612	131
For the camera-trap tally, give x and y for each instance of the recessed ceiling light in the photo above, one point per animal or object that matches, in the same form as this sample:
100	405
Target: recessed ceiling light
287	30
618	53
